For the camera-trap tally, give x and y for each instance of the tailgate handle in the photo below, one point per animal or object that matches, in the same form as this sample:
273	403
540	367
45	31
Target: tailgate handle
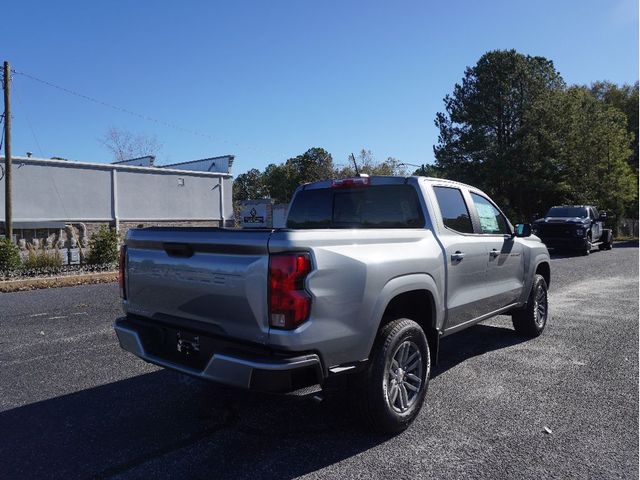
178	249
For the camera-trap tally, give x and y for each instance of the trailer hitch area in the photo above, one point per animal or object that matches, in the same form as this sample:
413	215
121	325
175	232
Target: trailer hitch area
187	344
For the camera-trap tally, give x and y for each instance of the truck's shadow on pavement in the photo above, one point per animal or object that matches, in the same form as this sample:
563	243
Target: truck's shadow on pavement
200	431
558	254
153	426
472	342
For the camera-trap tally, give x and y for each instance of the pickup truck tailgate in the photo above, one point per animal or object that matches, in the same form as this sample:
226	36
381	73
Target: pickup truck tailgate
214	276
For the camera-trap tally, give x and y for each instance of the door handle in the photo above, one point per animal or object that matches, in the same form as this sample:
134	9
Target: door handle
457	256
494	253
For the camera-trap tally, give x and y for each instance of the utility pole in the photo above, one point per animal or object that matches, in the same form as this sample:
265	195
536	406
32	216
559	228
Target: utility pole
8	220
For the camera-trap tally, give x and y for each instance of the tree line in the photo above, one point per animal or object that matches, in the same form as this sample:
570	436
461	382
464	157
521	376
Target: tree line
279	182
514	129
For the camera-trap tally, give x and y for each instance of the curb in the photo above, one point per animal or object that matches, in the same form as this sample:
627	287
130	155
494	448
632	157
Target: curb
24	284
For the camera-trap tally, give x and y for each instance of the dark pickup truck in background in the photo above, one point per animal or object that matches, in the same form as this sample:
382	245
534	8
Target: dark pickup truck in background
574	227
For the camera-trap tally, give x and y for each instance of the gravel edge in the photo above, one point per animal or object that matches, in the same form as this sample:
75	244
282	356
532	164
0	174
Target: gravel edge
25	284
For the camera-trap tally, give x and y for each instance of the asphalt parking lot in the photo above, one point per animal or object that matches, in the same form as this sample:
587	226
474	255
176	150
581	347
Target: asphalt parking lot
565	405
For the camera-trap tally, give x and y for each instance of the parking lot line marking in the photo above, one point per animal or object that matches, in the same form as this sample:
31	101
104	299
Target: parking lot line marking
38	315
79	313
56	318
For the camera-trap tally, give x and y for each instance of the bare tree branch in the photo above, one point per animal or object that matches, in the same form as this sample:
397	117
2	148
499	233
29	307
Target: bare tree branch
125	145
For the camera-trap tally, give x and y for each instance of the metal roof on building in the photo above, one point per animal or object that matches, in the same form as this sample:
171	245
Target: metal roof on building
175	168
203	164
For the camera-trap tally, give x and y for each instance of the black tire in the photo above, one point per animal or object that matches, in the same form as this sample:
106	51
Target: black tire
608	244
377	393
587	249
532	318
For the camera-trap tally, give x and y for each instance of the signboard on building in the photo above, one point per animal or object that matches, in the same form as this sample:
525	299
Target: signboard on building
256	214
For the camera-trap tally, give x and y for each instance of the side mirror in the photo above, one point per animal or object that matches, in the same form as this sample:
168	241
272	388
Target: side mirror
523	230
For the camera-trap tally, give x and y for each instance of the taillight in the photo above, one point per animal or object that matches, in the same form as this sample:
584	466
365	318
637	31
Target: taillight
289	303
121	272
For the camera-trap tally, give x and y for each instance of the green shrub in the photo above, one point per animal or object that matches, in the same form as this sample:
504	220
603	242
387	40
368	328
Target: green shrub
103	246
9	256
42	258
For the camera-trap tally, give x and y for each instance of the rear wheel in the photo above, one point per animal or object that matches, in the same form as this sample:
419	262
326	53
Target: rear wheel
389	394
531	320
607	240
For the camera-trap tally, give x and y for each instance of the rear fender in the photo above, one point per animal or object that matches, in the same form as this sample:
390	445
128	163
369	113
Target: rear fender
403	284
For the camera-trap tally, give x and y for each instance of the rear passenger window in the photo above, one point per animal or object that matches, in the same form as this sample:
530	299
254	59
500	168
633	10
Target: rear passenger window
453	209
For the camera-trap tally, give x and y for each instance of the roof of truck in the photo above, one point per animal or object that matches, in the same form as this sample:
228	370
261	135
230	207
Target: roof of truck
391	178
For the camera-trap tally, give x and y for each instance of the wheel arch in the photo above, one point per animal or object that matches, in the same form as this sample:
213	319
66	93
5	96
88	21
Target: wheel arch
543	268
414	297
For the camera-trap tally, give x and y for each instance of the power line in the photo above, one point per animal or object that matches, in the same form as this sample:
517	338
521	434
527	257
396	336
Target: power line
26	116
136	114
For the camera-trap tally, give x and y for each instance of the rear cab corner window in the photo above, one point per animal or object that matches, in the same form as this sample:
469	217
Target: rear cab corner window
453	209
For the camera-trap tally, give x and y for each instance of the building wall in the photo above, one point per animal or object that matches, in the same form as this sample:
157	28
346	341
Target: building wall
53	192
47	190
162	196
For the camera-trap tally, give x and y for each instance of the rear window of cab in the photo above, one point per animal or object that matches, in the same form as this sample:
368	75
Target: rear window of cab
379	206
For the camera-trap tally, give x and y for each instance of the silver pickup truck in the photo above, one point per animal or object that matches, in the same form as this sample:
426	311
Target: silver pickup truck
368	275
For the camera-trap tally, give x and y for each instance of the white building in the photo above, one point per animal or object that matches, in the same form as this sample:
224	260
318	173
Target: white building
49	194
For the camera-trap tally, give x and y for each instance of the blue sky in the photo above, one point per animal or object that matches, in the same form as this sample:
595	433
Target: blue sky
268	80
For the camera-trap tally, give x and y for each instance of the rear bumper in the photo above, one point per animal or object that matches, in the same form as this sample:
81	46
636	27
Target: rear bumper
222	361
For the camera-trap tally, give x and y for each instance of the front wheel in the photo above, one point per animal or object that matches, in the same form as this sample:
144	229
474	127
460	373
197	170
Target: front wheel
389	394
531	320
